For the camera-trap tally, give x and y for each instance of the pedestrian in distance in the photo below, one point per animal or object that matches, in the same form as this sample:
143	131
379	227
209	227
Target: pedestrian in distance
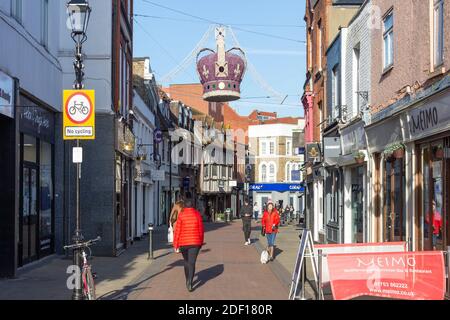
271	222
256	211
246	215
189	239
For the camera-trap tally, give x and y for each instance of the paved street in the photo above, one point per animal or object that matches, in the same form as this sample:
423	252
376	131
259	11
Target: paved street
226	269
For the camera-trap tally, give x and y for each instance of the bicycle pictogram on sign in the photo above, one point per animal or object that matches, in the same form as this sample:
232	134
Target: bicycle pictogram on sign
79	108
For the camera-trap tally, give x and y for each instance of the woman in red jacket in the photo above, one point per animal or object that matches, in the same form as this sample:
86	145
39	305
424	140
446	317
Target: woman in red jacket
188	238
270	222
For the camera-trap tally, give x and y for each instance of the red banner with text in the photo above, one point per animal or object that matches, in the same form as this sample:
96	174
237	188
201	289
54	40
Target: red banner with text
397	275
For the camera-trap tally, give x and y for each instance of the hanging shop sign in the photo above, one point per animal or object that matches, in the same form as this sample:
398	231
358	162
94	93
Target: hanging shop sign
431	118
353	138
6	95
331	150
79	114
313	152
396	275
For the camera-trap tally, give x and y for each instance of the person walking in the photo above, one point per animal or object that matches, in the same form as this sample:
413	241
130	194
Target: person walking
256	211
246	215
189	238
271	222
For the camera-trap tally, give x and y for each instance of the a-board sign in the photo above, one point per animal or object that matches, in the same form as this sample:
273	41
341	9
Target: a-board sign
396	275
79	114
306	242
354	248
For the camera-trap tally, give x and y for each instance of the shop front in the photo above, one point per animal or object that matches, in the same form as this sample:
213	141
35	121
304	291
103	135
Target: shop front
391	188
429	129
355	164
37	166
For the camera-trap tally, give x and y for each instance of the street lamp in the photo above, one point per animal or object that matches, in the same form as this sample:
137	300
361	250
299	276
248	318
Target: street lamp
79	12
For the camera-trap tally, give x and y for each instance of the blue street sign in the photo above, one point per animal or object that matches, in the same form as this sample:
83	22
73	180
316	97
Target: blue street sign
280	187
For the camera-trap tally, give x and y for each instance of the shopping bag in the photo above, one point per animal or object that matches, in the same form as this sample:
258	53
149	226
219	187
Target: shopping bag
170	235
264	257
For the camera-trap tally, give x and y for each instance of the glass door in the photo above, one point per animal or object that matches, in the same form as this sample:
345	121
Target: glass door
394	211
358	204
29	214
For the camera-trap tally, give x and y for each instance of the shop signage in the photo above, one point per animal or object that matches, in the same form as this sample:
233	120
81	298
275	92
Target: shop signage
36	121
332	149
346	248
430	118
397	275
313	152
278	187
158	175
353	138
6	95
79	114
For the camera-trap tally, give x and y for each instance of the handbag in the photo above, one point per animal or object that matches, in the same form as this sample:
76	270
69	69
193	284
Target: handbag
264	257
170	234
263	231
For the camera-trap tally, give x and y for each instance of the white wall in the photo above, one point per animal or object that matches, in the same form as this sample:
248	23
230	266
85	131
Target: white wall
24	57
358	32
271	130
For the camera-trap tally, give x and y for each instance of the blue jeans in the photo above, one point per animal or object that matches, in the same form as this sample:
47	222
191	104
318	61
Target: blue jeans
271	239
255	215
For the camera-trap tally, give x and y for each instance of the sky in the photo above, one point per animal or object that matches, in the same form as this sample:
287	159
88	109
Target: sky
169	36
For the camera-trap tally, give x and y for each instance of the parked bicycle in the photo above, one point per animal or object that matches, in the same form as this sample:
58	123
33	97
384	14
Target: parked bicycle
80	107
87	276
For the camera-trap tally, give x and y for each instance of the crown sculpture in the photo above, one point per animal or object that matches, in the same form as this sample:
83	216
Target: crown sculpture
221	72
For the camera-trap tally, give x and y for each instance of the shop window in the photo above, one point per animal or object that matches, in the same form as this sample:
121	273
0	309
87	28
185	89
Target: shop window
46	203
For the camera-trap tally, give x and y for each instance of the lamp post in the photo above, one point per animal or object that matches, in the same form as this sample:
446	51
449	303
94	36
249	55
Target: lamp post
79	13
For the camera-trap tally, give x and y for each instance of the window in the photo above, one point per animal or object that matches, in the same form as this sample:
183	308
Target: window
288	147
214	171
320	118
438	27
263	148
271	148
319	43
263	173
224	172
356	79
288	172
388	39
44	23
335	93
16	10
272	173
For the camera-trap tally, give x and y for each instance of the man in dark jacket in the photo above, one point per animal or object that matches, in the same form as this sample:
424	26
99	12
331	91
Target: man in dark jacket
246	215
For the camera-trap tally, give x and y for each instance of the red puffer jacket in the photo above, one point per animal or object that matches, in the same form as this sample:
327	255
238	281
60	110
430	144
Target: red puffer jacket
268	220
189	229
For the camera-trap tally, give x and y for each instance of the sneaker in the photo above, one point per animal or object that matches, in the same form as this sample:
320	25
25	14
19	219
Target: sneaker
249	242
246	243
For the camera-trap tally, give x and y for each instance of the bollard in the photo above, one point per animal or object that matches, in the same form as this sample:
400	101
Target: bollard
150	241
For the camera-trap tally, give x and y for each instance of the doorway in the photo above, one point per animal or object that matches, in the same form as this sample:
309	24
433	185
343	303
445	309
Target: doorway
394	218
29	236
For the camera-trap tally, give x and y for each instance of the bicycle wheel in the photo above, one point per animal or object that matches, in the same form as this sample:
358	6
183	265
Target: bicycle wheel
88	284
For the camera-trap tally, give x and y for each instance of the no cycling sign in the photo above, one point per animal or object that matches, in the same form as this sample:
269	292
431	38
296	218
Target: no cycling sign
79	114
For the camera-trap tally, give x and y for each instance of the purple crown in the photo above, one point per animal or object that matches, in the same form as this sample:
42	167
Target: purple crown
221	72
